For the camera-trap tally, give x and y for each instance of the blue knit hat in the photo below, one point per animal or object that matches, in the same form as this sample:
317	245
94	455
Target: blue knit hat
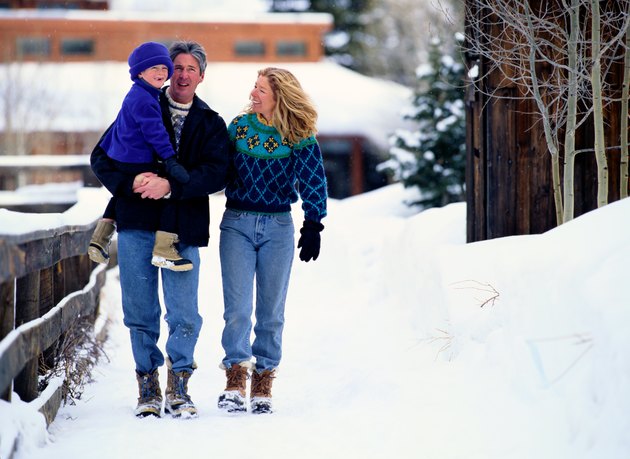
147	55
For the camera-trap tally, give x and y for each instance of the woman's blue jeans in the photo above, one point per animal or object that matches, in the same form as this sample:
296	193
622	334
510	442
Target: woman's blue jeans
141	303
255	248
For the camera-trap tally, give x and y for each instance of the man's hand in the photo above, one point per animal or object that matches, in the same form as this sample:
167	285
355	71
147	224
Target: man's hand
141	179
151	186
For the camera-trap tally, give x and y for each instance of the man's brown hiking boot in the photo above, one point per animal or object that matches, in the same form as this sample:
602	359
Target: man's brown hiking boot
178	403
150	399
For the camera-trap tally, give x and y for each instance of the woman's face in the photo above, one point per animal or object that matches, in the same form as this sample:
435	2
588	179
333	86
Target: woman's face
263	100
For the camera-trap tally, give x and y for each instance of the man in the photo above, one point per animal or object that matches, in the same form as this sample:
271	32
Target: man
199	136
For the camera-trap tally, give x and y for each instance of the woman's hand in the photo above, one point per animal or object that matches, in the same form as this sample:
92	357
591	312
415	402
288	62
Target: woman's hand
310	240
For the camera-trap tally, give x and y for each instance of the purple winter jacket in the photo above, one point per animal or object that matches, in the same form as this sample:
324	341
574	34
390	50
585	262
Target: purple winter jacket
138	133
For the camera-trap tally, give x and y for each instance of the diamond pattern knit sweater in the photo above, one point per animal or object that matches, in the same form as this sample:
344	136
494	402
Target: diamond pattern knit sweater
266	171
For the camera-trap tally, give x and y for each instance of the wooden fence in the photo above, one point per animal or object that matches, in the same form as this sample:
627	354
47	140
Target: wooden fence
47	284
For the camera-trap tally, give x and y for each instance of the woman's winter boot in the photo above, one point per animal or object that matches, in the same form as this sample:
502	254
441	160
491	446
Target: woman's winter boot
233	398
260	397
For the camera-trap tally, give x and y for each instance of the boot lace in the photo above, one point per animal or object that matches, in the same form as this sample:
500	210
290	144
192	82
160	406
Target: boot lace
261	384
236	377
148	387
181	386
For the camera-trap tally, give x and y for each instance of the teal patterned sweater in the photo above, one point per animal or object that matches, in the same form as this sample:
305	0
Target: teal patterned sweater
267	172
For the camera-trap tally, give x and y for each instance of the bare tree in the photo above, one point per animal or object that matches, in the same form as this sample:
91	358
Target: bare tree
398	34
625	94
28	108
561	61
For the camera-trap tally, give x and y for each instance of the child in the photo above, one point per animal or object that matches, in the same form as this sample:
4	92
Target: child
133	141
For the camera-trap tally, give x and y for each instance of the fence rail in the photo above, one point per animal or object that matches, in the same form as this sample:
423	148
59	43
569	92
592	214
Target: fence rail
47	284
20	170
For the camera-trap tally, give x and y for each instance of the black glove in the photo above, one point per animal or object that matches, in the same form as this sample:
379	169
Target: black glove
176	170
310	240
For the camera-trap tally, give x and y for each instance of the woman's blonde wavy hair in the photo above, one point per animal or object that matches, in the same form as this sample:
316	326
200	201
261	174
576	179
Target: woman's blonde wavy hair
294	116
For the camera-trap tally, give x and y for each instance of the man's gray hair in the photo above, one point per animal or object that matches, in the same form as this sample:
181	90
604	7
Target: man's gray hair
190	47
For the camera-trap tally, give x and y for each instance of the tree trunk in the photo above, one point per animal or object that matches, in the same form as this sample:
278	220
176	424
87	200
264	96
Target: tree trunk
569	138
598	109
546	120
623	141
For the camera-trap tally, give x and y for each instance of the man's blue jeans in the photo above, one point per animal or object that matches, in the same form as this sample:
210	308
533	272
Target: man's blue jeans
141	304
255	247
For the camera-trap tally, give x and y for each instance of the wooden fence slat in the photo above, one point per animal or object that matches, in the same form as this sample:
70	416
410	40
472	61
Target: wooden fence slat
7	308
7	324
46	303
27	309
12	257
51	405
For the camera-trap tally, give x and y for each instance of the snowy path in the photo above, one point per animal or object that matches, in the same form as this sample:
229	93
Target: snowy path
361	376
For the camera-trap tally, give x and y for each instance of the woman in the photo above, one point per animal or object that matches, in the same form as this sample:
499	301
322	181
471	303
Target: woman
274	154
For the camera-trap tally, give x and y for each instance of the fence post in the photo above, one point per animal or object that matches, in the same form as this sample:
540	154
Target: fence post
7	320
27	309
47	301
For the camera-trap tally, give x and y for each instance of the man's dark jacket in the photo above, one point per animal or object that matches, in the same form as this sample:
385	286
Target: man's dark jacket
203	151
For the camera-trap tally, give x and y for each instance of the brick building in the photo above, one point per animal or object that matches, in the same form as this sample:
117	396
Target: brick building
58	35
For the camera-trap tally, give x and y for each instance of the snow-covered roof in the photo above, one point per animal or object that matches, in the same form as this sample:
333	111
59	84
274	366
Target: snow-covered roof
211	15
81	97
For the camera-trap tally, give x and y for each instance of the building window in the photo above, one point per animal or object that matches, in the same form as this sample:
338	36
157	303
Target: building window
49	5
291	48
165	41
77	46
33	46
249	48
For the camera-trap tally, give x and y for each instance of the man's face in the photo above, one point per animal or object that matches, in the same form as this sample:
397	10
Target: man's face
186	77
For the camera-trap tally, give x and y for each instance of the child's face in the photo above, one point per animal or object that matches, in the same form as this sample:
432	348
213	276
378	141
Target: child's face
155	76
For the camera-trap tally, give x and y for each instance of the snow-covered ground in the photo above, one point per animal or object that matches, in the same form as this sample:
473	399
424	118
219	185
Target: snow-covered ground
395	348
